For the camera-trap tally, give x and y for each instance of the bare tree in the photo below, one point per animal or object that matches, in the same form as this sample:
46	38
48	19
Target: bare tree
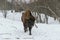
4	13
46	17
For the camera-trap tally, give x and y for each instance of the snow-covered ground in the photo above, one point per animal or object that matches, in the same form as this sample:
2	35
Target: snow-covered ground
50	19
11	28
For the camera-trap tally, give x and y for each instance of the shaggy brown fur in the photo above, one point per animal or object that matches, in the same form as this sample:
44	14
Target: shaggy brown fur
28	20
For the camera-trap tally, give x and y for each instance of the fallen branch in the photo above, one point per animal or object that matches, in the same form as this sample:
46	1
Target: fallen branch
36	26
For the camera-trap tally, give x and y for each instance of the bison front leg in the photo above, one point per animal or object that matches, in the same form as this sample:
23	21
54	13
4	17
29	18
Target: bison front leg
25	28
30	30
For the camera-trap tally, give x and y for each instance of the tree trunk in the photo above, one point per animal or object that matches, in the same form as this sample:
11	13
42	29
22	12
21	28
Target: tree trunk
5	13
46	19
40	18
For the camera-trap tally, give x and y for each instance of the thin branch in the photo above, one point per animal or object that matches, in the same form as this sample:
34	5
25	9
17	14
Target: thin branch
46	8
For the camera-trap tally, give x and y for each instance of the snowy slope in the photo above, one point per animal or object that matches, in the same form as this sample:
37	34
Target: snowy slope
1	14
8	27
13	30
14	16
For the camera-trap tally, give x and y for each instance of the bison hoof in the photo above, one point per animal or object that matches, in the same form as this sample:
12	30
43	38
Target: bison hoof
24	31
30	34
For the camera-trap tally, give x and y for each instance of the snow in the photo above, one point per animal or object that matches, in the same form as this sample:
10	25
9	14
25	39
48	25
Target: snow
52	21
14	16
1	14
11	28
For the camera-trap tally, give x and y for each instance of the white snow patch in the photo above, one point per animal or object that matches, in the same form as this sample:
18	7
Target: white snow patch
13	30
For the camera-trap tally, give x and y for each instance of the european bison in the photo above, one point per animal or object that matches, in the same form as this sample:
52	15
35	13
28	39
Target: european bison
28	20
